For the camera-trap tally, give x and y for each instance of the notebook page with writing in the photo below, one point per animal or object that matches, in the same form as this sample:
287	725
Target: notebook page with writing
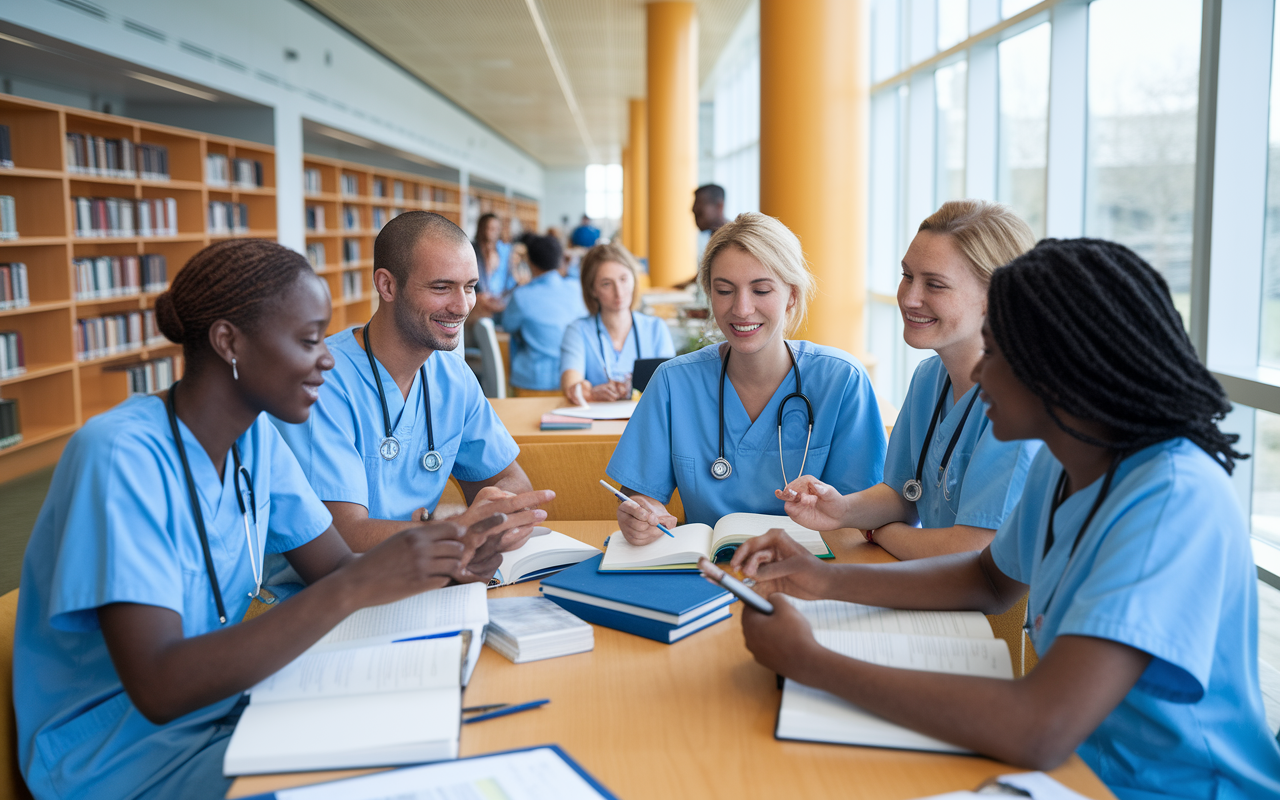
405	666
835	615
986	658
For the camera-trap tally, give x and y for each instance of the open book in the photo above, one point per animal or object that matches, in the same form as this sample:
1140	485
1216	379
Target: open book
360	707
696	540
545	552
957	642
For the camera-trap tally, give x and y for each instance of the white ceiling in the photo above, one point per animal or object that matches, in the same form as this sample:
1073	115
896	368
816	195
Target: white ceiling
490	57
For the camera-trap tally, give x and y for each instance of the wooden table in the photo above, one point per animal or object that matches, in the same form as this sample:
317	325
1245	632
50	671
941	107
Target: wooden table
692	719
523	415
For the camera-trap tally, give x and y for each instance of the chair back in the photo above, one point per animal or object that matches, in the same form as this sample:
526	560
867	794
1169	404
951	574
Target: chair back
573	471
1008	626
12	787
492	372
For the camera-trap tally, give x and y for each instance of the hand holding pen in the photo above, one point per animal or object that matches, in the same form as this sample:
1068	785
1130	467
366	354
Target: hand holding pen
641	519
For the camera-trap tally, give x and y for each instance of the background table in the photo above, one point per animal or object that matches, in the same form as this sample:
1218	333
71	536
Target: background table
522	417
692	719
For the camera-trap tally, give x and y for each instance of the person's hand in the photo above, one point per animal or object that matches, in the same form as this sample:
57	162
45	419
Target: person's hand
777	563
816	505
782	641
491	303
638	519
578	392
486	544
426	556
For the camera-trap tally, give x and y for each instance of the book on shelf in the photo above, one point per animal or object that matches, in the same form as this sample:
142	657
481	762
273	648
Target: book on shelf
681	551
364	705
215	170
545	552
121	217
153	162
955	642
380	218
662	607
151	376
14	290
379	187
112	334
350	185
8	217
315	219
13	358
226	217
533	628
350	251
99	156
351	285
350	218
247	172
315	254
6	148
397	190
10	426
311	182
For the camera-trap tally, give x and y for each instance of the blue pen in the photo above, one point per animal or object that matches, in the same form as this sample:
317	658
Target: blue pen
444	635
502	712
626	499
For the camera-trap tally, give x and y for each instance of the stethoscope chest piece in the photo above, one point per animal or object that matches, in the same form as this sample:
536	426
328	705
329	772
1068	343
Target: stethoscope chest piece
912	490
389	448
721	469
432	461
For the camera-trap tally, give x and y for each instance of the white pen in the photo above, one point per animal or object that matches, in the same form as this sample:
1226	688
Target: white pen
626	499
734	586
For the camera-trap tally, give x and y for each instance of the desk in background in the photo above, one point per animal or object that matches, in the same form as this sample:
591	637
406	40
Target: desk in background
693	719
522	417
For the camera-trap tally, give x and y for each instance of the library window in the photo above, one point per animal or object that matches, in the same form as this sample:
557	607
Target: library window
949	86
953	23
1023	150
604	191
1269	328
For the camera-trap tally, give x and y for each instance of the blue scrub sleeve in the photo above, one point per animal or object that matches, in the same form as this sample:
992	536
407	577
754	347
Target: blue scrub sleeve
642	459
993	480
512	318
297	514
857	452
325	448
487	448
116	543
573	349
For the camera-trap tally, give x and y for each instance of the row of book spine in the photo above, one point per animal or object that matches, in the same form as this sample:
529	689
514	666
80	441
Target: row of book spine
315	218
151	376
315	254
6	148
117	276
14	291
8	217
97	337
228	217
350	218
116	158
350	251
117	217
243	172
352	285
10	426
13	359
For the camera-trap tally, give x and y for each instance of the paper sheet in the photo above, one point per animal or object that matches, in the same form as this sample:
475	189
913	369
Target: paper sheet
987	658
406	666
450	608
618	409
834	615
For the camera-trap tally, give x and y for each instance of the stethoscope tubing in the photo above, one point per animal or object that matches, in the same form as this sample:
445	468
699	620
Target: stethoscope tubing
721	468
431	461
604	359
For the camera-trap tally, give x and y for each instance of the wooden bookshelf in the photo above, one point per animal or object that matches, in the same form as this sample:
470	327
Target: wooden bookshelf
58	392
378	196
524	213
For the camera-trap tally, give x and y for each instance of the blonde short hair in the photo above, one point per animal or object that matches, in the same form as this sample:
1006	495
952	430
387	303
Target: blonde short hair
988	235
776	248
598	256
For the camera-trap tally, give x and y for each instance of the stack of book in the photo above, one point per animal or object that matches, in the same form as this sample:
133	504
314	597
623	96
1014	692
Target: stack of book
13	359
150	377
315	218
248	173
350	218
533	628
6	148
559	422
8	217
350	251
117	276
663	607
10	427
315	254
97	337
350	185
14	291
351	285
215	169
227	217
119	217
311	183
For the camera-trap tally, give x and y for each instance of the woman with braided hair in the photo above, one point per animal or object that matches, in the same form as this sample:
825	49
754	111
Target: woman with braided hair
130	657
1143	602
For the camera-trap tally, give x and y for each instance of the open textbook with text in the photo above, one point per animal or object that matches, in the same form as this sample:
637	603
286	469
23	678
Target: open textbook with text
688	543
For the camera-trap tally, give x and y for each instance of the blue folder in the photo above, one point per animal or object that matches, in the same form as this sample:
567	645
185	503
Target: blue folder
669	598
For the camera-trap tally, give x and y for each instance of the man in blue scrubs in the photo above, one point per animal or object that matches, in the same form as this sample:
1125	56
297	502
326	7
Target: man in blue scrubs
373	479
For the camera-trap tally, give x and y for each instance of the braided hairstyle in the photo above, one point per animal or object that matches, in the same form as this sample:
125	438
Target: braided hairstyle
238	280
1091	329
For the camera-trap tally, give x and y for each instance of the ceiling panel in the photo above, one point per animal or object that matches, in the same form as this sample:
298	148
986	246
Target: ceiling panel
487	56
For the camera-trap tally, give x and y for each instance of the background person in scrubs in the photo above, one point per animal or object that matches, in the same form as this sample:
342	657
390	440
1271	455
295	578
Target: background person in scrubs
755	274
1143	603
425	274
537	316
943	302
493	259
126	685
609	291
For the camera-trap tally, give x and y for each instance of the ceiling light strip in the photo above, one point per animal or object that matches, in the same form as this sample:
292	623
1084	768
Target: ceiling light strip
565	88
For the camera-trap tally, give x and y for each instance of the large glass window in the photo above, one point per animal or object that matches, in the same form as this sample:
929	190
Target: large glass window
1009	8
949	88
1269	346
953	22
1023	151
1143	91
1266	476
604	191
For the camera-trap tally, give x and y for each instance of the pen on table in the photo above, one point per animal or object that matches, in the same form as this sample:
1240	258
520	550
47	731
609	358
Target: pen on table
507	709
626	499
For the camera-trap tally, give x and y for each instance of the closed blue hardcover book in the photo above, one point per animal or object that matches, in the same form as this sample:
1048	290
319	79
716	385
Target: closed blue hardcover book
639	626
668	598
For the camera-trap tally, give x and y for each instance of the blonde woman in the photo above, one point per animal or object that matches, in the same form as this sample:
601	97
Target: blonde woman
599	351
945	470
730	423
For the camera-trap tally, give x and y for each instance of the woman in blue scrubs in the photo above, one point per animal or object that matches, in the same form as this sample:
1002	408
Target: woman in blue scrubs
727	424
599	351
1143	592
945	470
129	665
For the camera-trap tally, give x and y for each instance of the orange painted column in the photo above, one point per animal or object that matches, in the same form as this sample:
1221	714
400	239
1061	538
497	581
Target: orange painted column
638	148
671	69
813	151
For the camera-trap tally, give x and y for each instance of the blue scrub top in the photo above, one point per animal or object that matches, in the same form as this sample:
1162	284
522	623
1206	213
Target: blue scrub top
982	482
500	281
338	444
536	317
583	344
673	436
117	527
1165	567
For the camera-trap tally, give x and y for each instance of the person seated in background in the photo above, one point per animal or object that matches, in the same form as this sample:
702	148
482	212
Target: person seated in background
599	351
945	469
585	235
493	257
1143	601
538	314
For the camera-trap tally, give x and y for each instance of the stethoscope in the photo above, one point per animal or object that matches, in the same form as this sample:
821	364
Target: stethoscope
251	539
1033	624
604	361
389	447
720	468
913	489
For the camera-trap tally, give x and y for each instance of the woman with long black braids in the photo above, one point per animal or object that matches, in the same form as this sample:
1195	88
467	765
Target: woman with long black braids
1143	602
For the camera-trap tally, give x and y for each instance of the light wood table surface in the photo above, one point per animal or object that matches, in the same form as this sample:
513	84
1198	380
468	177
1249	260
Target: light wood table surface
694	719
522	417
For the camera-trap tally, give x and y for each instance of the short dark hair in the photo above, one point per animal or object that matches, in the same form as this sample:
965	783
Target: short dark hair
712	191
393	249
545	252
